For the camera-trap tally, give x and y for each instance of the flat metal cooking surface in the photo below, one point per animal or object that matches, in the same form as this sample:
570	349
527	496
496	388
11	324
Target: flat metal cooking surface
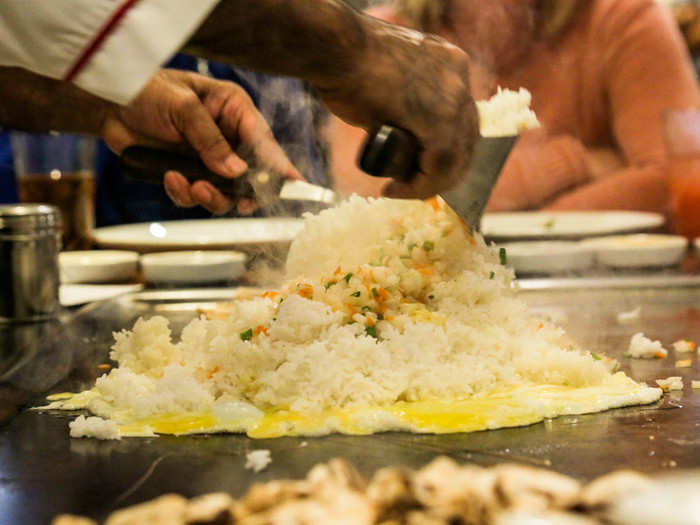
43	472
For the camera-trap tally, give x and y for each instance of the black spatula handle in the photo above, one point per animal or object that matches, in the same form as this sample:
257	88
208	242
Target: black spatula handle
391	152
149	165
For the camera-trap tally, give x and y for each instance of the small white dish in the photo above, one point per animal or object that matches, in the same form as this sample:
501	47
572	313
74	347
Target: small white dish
193	266
77	294
570	225
638	251
251	234
548	256
97	266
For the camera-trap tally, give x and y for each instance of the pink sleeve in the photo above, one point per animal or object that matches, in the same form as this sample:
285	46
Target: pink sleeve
539	167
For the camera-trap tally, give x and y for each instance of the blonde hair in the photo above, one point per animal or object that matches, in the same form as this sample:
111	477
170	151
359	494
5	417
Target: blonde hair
433	15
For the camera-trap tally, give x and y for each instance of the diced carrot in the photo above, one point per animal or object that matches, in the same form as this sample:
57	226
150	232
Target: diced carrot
337	271
382	295
426	270
660	355
434	203
540	326
260	329
104	366
370	321
212	372
270	295
306	291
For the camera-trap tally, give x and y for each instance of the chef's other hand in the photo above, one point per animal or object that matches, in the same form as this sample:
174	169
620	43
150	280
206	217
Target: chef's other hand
182	110
420	83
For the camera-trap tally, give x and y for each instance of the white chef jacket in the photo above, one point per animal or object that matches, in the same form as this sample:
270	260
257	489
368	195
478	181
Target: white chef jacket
107	47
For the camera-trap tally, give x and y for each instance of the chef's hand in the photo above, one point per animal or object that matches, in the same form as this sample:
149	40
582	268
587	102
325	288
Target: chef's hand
181	110
419	83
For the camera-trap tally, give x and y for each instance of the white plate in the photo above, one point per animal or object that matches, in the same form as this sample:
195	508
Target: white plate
638	251
193	266
246	234
566	225
548	256
97	266
77	294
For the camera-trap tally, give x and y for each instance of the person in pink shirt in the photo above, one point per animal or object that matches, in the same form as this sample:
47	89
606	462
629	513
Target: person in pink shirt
602	73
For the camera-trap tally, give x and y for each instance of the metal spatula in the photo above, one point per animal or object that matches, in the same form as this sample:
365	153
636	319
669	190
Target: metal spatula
393	152
265	186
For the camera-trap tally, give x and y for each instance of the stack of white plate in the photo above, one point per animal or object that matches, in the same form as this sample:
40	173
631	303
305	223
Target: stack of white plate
560	242
193	267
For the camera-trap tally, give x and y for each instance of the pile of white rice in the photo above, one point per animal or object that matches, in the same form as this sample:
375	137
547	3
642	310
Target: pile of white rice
387	300
507	113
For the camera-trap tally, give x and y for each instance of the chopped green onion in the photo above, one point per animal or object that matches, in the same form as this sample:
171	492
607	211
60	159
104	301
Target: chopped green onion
431	297
492	275
330	283
595	356
375	292
356	294
248	334
348	277
502	255
371	331
428	246
380	317
366	308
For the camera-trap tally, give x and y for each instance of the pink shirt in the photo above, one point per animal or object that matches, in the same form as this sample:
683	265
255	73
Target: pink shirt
605	85
600	92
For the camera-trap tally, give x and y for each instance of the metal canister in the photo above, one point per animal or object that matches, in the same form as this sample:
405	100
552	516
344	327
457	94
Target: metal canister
30	239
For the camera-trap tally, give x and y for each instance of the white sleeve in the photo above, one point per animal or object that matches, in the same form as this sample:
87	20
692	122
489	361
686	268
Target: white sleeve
107	47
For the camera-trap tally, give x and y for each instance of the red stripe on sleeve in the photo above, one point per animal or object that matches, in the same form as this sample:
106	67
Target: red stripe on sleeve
99	40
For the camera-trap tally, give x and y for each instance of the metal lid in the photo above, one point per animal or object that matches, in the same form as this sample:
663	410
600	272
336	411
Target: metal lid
28	218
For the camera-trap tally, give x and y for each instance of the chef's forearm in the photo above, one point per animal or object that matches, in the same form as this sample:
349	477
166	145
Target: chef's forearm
321	41
35	103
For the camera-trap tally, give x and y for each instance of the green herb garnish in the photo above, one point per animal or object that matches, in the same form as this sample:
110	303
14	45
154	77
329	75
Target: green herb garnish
492	275
248	334
366	308
375	293
502	256
595	356
356	294
348	277
431	297
428	246
329	284
371	331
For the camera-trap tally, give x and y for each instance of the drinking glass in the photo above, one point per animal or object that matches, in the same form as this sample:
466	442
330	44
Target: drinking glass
682	135
59	169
